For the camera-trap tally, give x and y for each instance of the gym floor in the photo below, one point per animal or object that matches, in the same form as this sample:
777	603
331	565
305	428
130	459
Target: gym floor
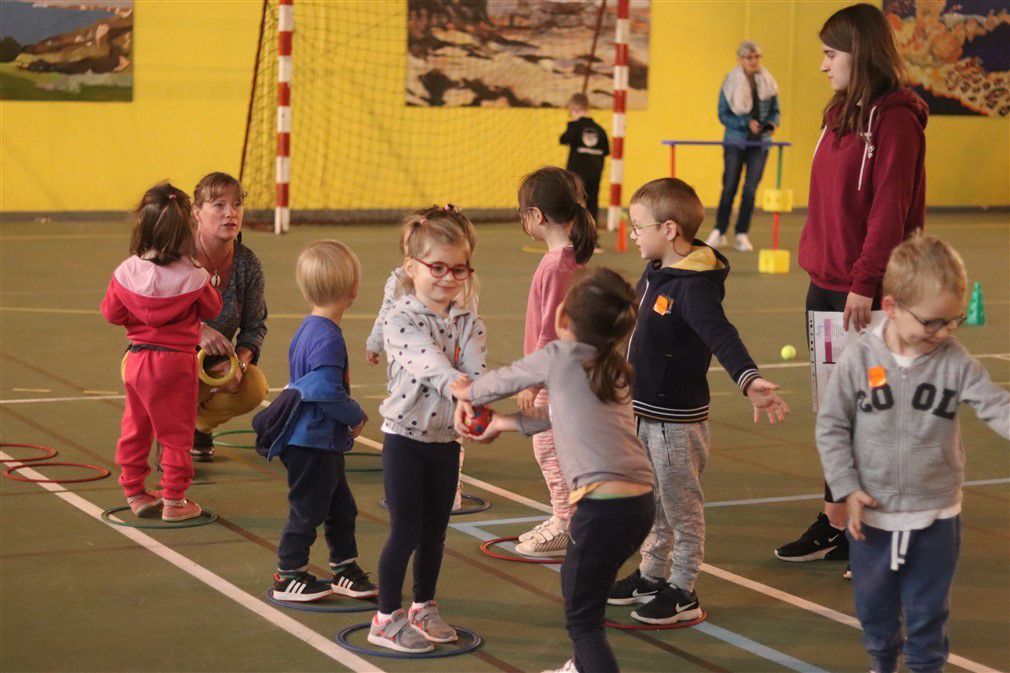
77	594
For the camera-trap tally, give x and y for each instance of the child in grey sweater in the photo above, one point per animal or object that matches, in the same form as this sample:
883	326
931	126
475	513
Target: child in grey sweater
890	445
606	467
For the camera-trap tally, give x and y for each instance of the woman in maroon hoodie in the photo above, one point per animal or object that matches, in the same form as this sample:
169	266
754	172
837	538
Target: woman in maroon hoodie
867	195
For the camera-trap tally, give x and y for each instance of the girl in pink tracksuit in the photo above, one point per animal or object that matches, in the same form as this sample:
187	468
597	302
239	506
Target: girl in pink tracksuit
552	207
160	294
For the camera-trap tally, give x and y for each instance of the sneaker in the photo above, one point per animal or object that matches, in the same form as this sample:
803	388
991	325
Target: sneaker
672	604
634	589
351	580
147	503
457	502
743	243
396	633
567	667
847	575
299	587
716	239
431	625
533	531
180	510
551	540
821	541
203	446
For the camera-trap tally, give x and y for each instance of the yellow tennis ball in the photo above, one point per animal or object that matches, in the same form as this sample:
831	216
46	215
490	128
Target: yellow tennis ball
788	352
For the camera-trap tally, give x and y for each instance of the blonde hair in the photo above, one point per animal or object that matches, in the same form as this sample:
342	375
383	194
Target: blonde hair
437	226
672	199
326	271
924	265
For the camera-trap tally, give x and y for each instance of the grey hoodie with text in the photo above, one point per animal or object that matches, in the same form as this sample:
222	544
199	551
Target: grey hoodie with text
893	432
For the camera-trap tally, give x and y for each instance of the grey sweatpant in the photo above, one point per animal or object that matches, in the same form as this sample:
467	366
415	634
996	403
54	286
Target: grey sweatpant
675	545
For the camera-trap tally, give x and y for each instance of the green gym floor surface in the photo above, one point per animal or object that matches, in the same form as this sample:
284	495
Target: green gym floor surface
77	594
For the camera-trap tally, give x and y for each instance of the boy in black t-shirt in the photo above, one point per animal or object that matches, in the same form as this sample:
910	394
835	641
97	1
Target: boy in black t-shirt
588	146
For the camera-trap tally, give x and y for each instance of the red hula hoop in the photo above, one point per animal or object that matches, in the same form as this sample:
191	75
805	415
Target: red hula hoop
102	473
52	453
486	548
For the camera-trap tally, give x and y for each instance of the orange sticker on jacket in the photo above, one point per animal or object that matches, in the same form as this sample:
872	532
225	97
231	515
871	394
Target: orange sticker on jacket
663	305
877	376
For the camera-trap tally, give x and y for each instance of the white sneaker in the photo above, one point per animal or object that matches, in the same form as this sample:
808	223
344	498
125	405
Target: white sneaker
550	540
715	239
567	667
536	529
743	243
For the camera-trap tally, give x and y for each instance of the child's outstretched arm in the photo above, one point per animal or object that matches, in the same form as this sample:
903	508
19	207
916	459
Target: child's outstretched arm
762	395
990	402
374	342
528	423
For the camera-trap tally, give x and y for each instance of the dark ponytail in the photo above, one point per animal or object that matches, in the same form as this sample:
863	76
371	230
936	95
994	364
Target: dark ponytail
600	307
561	197
163	230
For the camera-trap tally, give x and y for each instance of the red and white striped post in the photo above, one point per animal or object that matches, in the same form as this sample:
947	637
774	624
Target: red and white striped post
285	31
621	33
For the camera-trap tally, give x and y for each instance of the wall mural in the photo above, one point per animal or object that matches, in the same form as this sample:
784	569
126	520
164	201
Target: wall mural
70	50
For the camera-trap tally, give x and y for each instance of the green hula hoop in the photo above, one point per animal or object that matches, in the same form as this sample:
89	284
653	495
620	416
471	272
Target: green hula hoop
364	455
234	432
201	520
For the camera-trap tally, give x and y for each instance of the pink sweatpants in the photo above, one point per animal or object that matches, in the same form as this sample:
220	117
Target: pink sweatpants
547	459
161	389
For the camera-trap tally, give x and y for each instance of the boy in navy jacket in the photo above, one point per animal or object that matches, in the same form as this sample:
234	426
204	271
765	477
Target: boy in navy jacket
680	325
311	425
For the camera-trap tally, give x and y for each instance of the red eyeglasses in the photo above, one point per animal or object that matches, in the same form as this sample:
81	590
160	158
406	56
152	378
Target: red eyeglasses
440	269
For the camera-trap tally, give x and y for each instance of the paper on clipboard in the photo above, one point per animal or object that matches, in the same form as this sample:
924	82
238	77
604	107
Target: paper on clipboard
827	341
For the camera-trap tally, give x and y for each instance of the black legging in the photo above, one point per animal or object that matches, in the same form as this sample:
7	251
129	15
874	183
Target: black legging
420	480
819	299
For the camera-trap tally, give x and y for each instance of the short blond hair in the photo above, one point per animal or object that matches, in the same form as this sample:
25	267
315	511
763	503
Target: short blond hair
672	199
924	265
326	272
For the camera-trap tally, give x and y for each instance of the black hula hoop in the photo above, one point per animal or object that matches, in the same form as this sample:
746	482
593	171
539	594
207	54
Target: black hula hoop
656	627
52	453
201	520
486	548
102	473
234	432
327	604
480	504
469	641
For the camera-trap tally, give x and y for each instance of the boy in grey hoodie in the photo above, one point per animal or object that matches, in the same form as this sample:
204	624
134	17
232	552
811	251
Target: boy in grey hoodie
890	445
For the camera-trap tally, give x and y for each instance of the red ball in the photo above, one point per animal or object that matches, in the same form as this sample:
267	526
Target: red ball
480	420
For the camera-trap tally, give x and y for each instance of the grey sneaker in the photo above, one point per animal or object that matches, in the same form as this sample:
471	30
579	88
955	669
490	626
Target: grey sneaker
551	540
431	625
397	634
533	531
567	667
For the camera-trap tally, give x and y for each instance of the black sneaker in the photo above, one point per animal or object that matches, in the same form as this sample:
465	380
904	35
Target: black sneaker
633	589
203	446
672	604
821	541
299	587
351	580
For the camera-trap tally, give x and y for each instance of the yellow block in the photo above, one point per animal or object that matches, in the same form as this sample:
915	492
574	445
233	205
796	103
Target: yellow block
773	261
777	201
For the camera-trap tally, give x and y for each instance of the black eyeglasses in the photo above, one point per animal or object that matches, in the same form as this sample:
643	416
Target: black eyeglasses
440	269
936	324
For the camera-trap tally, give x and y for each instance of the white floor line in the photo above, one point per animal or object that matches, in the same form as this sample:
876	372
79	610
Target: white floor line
216	582
739	580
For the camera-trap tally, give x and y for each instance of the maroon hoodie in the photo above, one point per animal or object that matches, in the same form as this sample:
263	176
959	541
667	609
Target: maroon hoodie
867	195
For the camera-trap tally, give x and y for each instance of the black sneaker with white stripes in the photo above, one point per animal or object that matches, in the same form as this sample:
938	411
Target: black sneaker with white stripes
350	580
299	587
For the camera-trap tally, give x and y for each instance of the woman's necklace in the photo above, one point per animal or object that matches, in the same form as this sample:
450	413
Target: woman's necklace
215	277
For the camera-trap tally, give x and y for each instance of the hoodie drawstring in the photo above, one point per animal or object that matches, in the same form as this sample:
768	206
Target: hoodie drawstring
899	547
868	148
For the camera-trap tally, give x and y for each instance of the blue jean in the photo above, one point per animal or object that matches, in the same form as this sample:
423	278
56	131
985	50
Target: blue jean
734	159
919	590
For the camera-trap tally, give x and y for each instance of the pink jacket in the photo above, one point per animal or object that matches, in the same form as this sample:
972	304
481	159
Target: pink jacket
550	283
